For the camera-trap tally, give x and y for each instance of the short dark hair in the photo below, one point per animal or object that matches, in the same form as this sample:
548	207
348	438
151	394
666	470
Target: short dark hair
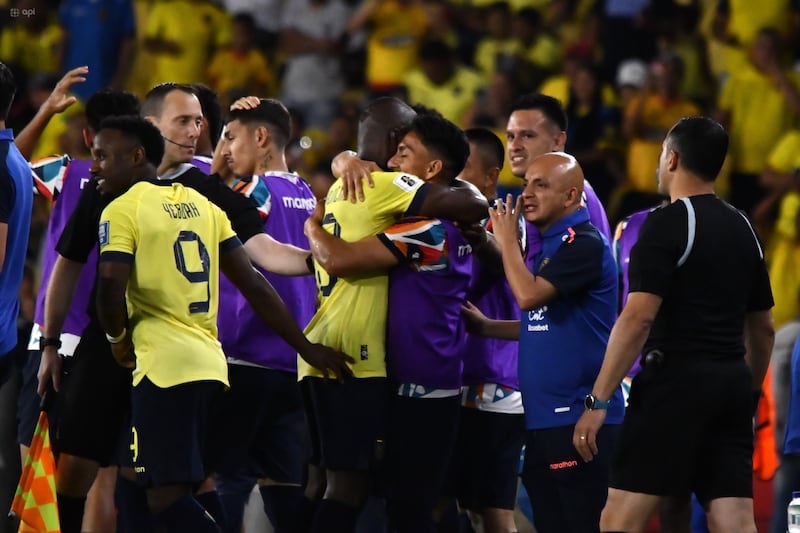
140	131
701	144
107	103
212	110
270	113
246	20
441	136
549	106
491	147
153	104
8	88
435	50
529	15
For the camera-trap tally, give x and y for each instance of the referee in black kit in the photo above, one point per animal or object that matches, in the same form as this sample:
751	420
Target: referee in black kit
700	306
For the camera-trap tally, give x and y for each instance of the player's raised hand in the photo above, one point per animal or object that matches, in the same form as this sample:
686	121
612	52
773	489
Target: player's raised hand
58	100
505	222
353	172
246	102
327	360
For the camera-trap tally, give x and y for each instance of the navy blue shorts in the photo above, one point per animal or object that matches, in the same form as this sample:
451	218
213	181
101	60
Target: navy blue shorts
169	431
486	460
419	446
567	494
346	421
258	426
94	402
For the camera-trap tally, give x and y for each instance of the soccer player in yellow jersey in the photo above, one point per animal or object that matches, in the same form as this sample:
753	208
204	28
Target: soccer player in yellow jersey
162	247
346	418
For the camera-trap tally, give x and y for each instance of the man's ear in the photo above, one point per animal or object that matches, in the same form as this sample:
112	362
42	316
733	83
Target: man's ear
139	155
492	176
88	138
573	196
561	141
434	168
262	136
672	160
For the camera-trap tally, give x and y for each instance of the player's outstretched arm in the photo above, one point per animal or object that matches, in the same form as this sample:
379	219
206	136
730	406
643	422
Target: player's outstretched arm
461	202
277	257
341	258
480	324
57	102
59	294
235	264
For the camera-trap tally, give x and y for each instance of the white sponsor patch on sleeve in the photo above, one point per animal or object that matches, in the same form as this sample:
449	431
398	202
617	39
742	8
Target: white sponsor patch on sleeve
102	233
407	182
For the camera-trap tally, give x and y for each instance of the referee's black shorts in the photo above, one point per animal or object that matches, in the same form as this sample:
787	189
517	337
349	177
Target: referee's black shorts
688	428
94	402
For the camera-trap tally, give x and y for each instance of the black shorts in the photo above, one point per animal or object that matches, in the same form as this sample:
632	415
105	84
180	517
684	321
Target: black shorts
94	401
28	401
346	421
566	493
419	445
169	431
688	428
486	461
258	427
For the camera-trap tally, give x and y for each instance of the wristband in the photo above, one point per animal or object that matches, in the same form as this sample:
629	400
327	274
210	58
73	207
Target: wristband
310	263
118	338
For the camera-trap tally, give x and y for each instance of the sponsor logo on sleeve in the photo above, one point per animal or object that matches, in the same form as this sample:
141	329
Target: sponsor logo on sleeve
407	182
102	233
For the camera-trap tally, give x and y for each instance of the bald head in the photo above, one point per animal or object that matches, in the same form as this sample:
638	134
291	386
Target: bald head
553	189
378	127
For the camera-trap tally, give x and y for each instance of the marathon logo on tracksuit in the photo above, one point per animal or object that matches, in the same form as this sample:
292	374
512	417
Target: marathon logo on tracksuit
306	204
563	464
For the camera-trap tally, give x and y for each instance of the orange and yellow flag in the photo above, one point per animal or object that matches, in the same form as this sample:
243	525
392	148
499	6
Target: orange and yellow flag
35	501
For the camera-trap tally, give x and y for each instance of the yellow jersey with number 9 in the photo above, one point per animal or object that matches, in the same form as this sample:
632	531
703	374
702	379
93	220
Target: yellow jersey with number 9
173	237
352	312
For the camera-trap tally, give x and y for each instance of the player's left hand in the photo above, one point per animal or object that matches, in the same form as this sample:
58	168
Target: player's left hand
246	102
58	100
124	353
353	172
505	222
584	438
474	318
327	360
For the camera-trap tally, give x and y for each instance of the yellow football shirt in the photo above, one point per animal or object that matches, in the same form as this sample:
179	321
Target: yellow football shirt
759	117
452	99
784	247
658	116
352	312
396	30
197	28
174	235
